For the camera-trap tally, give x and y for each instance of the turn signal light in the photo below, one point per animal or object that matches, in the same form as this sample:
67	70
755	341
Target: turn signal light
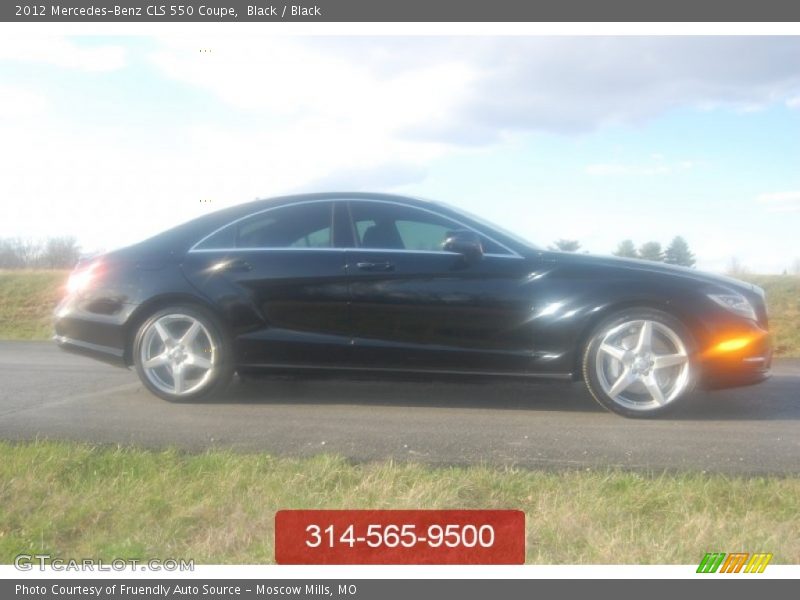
731	345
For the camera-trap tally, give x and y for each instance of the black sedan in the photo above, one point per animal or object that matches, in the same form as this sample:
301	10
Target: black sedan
374	282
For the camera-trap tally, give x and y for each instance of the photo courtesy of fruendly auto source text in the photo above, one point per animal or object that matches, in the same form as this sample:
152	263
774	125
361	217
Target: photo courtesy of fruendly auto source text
371	299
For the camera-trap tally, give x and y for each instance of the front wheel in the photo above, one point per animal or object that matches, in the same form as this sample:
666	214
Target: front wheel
638	363
181	354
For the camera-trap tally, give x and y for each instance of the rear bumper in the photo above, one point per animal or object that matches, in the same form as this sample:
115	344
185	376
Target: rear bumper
113	356
99	335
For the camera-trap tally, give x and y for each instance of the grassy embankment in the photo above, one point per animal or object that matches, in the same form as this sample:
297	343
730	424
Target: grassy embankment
74	500
27	299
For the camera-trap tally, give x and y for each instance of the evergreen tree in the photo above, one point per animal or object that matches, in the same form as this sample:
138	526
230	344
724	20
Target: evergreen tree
651	251
678	253
566	245
626	249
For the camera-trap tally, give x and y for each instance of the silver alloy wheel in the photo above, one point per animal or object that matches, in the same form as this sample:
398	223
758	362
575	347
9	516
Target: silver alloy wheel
178	354
642	365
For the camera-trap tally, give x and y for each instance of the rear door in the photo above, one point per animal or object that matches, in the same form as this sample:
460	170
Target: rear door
281	283
415	306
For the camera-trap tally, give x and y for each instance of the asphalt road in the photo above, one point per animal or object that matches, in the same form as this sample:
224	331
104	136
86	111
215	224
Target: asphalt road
46	393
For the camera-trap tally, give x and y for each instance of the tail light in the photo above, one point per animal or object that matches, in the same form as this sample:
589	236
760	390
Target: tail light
83	277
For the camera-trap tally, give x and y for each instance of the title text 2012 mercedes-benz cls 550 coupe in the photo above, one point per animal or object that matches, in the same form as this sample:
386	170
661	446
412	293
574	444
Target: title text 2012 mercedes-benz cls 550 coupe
354	281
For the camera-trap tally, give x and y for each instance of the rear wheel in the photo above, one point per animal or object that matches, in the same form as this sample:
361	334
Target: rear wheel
638	363
181	354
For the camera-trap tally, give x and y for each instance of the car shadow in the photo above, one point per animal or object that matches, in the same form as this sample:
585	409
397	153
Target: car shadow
775	399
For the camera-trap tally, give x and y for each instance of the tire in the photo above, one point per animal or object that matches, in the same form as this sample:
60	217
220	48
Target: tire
638	363
182	354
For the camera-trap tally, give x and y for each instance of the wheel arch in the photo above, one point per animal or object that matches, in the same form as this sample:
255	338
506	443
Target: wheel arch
151	306
585	333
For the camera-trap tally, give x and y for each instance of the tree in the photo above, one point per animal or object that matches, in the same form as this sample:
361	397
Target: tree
566	245
19	253
52	253
626	249
795	270
736	268
678	253
651	251
60	253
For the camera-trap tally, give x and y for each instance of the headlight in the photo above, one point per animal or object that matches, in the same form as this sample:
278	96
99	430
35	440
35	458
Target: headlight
736	303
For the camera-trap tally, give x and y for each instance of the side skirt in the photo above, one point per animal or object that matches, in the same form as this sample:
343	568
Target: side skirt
279	366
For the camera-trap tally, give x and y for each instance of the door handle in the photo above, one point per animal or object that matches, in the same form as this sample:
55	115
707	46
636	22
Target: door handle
234	264
372	266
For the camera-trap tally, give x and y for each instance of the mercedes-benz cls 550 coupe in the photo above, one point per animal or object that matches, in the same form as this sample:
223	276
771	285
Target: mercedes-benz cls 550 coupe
354	282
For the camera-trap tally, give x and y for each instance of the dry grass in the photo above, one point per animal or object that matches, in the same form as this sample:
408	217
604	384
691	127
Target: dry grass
27	300
783	302
74	500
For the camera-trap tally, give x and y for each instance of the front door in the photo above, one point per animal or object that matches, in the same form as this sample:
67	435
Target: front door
415	306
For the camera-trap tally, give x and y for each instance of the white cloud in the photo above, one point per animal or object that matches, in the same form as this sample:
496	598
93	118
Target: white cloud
781	201
475	90
62	52
287	79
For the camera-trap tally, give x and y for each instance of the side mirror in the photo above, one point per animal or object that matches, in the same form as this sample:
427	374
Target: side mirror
464	242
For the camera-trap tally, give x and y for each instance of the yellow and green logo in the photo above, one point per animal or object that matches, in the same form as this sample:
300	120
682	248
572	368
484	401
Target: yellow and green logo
736	562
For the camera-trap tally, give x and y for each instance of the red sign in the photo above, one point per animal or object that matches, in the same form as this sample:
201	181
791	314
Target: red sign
400	537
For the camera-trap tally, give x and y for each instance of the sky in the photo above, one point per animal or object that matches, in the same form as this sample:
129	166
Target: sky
599	139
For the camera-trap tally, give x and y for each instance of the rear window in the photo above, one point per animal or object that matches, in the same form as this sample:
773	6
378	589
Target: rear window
297	226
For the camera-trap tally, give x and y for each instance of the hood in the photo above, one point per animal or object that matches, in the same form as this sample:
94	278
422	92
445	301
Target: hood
647	266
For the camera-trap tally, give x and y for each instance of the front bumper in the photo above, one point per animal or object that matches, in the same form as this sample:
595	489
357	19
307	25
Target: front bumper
733	366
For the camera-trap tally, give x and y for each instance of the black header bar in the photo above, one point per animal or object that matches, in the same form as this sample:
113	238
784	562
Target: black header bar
401	11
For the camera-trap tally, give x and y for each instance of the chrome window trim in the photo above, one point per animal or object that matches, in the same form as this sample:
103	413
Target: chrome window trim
279	248
194	248
327	249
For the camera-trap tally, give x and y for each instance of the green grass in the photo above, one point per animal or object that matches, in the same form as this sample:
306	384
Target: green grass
74	500
27	299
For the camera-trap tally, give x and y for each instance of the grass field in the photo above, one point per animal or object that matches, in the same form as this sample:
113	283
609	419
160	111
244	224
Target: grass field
73	500
27	299
783	305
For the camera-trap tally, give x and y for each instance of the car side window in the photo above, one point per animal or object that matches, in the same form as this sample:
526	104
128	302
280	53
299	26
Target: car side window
394	227
387	226
298	226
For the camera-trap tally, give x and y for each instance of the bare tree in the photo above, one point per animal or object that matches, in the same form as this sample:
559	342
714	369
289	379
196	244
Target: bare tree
60	253
18	253
736	268
53	253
